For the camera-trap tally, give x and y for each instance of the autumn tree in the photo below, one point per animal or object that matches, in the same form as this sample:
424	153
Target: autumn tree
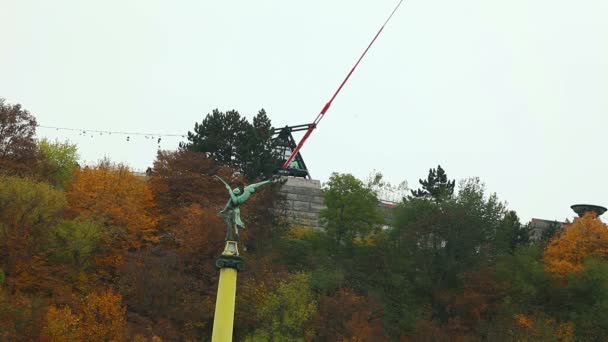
118	197
100	318
159	287
29	211
186	195
103	317
348	316
183	178
17	144
21	316
61	324
183	183
567	252
122	203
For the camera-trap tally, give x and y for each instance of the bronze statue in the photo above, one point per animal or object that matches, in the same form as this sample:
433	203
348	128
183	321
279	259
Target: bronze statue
231	212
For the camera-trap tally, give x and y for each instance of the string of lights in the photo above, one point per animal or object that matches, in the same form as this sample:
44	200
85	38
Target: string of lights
101	132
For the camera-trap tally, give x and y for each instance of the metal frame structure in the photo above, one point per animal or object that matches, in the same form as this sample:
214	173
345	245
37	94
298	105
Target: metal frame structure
285	145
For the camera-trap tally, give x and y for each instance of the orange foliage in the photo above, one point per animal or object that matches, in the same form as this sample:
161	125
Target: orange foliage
348	317
532	325
102	319
567	251
480	294
524	321
201	232
121	200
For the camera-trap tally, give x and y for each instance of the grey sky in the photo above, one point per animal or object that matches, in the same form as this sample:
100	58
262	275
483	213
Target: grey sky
514	92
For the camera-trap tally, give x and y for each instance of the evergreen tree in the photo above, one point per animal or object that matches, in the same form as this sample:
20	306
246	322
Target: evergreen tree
257	151
232	141
437	186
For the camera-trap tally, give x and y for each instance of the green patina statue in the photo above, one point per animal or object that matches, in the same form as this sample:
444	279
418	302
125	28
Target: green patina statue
231	212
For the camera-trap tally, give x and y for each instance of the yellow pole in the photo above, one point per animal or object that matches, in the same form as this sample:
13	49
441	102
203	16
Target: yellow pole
229	264
224	306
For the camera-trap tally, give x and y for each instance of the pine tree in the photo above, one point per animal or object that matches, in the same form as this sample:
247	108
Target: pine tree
437	186
232	141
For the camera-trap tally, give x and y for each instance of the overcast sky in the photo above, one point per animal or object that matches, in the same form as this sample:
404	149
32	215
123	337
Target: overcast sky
514	92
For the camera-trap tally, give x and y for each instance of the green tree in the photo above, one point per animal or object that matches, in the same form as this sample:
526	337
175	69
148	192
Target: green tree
73	242
436	186
286	314
17	144
234	142
351	209
445	240
58	161
584	300
257	153
510	234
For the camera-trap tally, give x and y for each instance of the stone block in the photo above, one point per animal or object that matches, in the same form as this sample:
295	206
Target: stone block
305	198
317	199
303	183
301	206
316	208
291	196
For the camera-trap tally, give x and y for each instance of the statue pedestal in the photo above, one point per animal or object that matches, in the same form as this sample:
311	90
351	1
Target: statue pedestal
229	263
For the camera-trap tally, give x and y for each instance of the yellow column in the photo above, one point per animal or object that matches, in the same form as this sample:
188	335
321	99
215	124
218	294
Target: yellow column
224	306
229	264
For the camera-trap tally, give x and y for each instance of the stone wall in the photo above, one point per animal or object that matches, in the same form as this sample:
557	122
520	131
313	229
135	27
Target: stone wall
304	201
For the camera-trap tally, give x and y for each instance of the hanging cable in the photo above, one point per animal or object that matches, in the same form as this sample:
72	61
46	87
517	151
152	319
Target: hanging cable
84	130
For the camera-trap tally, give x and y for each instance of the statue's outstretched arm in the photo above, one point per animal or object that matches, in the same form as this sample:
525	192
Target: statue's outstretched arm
251	188
248	190
232	195
225	184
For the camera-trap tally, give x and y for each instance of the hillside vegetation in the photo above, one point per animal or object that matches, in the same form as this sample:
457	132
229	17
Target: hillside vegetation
96	253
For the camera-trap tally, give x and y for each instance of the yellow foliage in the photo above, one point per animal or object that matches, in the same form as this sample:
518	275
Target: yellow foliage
565	331
61	325
299	232
103	317
567	251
